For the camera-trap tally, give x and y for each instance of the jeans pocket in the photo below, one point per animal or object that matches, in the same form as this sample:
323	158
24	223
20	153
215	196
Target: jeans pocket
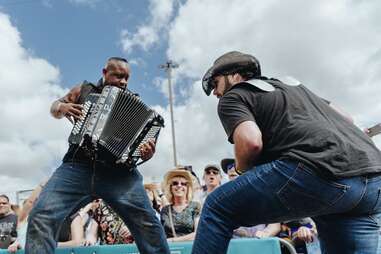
306	193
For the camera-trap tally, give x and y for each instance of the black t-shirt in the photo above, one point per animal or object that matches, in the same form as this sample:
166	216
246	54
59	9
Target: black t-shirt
300	126
8	230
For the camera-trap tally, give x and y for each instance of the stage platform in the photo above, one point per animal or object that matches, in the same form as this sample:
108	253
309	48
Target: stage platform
237	246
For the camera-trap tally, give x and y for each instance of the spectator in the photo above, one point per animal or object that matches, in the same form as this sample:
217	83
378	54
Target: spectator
198	191
22	219
180	218
71	232
228	166
299	232
111	228
8	223
212	179
80	229
154	195
259	231
15	209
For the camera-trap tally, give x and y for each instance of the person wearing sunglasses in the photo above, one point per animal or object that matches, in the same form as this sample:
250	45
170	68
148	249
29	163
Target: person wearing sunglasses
180	217
212	178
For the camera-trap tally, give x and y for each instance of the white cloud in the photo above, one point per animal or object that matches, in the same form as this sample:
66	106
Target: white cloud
153	31
30	140
332	47
200	139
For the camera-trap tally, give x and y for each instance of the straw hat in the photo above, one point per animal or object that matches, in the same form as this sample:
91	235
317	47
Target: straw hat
180	173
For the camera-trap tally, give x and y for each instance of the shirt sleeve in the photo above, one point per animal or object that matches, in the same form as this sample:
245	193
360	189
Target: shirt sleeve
233	110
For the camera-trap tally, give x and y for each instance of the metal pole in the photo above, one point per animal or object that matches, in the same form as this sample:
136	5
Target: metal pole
168	66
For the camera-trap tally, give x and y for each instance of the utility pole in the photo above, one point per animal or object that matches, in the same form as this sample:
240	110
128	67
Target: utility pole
168	66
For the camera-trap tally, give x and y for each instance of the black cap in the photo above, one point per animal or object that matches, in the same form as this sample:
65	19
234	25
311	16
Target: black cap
227	164
212	166
229	63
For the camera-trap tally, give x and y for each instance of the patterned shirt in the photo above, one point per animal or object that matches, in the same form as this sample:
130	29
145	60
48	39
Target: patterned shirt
183	222
112	229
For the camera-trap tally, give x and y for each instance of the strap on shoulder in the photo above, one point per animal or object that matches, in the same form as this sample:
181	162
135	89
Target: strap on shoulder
86	89
261	84
289	80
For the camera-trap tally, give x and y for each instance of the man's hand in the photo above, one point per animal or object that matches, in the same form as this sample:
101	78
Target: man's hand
14	247
241	232
147	150
305	234
71	111
262	234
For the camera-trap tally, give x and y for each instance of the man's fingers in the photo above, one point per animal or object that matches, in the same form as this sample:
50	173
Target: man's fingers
69	118
152	145
77	106
75	111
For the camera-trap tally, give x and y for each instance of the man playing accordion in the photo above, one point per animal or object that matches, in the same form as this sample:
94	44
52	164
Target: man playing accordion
82	178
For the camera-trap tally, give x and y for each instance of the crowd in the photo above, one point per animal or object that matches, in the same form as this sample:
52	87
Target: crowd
177	202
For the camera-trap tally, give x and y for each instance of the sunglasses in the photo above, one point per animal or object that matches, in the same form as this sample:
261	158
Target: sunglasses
214	172
176	183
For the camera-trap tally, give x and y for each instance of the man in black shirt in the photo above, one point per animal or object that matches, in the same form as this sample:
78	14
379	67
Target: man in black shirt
299	157
82	178
8	223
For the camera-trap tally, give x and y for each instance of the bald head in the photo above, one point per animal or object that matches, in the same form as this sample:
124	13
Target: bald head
116	72
113	61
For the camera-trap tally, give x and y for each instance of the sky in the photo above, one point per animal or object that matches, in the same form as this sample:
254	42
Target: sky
48	46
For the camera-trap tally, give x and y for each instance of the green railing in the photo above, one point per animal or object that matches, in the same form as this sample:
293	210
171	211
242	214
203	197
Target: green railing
236	246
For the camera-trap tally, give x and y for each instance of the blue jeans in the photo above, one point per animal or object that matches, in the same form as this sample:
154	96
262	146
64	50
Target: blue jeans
73	185
346	211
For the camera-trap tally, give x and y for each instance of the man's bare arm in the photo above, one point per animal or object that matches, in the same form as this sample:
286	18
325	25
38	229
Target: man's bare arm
67	106
247	145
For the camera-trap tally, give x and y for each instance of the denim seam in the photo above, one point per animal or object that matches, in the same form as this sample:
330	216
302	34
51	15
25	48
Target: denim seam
330	182
374	219
300	167
374	208
361	197
377	201
284	186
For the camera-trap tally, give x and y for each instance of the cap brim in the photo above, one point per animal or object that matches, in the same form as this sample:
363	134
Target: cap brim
206	85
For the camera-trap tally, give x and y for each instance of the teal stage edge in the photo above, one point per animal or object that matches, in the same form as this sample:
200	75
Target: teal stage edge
237	246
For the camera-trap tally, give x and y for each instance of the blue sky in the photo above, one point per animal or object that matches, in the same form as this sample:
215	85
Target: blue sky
78	37
47	46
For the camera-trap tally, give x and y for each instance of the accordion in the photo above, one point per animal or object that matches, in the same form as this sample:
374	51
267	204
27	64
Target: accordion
114	124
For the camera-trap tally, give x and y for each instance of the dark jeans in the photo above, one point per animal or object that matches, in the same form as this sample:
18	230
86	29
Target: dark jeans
73	185
346	211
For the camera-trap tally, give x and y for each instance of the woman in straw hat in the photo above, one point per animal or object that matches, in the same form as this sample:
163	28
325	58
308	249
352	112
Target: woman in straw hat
180	217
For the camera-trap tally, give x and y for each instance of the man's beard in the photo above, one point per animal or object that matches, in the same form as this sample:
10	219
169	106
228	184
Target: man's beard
228	84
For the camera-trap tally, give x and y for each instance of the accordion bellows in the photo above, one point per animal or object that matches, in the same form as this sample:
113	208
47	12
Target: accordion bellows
114	125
